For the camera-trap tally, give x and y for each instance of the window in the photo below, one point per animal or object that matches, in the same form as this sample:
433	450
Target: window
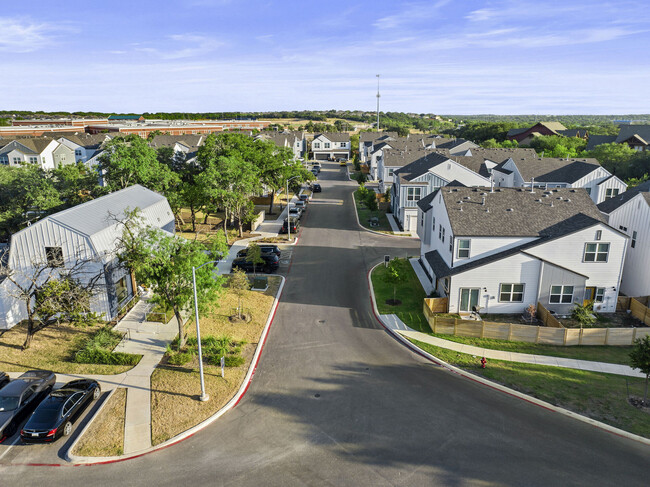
316	145
63	157
434	223
4	161
599	234
78	153
463	249
596	252
588	191
343	144
327	145
451	244
511	293
561	294
633	242
422	219
33	160
443	235
413	194
54	256
600	294
17	160
621	227
390	172
611	193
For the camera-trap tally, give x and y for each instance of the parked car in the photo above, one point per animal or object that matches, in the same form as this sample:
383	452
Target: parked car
20	397
264	249
295	212
315	188
55	415
290	224
315	164
4	379
342	161
304	197
314	171
301	205
271	264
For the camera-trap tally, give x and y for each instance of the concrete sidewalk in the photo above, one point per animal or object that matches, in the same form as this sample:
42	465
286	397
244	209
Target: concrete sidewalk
394	323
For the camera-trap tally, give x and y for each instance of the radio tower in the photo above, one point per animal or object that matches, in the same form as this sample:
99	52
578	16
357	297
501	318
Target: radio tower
378	95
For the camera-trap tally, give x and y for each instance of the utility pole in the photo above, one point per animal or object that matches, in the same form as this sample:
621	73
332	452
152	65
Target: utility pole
378	95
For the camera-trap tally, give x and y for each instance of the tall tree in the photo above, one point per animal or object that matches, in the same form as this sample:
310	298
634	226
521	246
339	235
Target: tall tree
640	359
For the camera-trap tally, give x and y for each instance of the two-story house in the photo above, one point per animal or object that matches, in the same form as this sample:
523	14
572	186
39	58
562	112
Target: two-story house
329	146
85	146
551	172
37	150
87	232
295	141
630	213
366	140
429	172
503	249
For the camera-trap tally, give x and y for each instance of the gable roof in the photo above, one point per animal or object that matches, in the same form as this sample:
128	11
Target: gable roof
628	131
515	212
612	204
554	169
421	165
372	136
34	145
595	140
334	136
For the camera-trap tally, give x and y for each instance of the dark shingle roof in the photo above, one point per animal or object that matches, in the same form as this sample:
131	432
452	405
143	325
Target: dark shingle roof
595	140
420	166
515	212
628	131
425	203
555	170
335	136
371	136
612	204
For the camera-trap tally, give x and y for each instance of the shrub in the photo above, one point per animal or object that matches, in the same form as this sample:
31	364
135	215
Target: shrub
583	314
101	356
179	358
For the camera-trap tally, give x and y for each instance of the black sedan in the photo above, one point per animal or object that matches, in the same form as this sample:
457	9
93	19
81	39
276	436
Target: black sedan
55	416
264	249
20	397
271	264
315	188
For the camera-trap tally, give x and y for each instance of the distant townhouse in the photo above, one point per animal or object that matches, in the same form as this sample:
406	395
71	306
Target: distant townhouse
636	136
502	249
85	146
414	181
549	172
630	213
86	231
366	140
331	146
38	151
524	136
296	141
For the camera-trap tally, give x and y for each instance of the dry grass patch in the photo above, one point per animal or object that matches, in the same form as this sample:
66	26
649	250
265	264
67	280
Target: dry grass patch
174	390
51	349
105	436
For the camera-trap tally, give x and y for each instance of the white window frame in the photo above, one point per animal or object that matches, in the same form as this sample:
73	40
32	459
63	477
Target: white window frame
611	193
326	145
597	253
633	240
463	249
316	145
412	195
17	160
511	293
563	297
390	171
599	295
33	160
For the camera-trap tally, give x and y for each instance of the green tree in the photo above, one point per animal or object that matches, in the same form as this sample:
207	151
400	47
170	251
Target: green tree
394	275
76	183
640	359
129	160
164	262
239	284
613	157
254	256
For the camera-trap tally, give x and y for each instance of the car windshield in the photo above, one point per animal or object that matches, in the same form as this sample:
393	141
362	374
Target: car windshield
8	403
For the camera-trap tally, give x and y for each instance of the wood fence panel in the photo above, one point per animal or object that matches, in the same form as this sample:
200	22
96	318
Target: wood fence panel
620	336
551	336
445	326
623	303
640	311
437	305
469	328
642	332
572	336
523	333
496	331
594	336
547	317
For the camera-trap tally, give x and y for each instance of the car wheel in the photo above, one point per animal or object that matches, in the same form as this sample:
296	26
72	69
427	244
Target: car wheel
67	429
97	392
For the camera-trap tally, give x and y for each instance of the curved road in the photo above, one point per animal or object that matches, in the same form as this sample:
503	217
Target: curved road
337	401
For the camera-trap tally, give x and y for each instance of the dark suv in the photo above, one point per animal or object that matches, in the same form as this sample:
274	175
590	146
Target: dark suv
292	224
264	249
271	264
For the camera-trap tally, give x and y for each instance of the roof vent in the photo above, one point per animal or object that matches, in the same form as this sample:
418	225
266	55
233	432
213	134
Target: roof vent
573	190
558	198
551	204
538	200
487	210
468	197
483	194
483	202
568	200
510	209
544	196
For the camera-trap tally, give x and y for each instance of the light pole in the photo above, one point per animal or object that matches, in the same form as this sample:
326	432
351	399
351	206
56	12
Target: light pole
378	96
288	214
203	397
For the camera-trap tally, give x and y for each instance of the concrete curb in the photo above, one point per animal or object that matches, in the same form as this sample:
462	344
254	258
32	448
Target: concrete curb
494	385
356	214
190	432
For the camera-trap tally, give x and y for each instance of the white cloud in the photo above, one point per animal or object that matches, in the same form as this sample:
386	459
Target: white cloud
183	46
410	13
20	35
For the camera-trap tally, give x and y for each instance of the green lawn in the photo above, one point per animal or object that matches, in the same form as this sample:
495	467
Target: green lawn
365	214
409	292
599	396
609	354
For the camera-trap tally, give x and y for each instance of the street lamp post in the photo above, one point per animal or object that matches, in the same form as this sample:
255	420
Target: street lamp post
288	215
204	396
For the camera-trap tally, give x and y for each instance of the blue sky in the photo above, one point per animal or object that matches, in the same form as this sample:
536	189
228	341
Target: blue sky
437	56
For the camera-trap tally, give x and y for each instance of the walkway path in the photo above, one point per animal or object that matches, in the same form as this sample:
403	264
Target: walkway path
394	323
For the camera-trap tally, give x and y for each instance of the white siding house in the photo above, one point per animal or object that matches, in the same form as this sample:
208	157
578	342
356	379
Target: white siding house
37	151
84	232
501	250
630	214
329	146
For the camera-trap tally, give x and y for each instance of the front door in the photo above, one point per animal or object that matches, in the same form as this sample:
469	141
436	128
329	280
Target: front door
590	294
468	299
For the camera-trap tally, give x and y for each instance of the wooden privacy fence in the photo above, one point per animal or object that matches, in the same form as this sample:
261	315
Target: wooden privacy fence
547	318
437	305
533	334
638	307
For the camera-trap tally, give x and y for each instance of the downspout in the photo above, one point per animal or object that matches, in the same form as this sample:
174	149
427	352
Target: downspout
539	281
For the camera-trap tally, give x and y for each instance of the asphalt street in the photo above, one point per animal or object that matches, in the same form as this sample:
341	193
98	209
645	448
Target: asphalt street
337	401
